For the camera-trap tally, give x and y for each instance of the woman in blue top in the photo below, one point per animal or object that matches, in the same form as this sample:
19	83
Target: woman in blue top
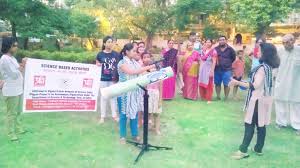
129	68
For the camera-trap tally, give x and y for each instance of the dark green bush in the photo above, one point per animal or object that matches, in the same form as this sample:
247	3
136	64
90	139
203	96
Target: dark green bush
49	44
73	49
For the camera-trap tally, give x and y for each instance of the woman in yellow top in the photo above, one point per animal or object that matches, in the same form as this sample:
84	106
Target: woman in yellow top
190	68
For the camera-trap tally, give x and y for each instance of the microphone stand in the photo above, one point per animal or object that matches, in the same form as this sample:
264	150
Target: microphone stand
145	146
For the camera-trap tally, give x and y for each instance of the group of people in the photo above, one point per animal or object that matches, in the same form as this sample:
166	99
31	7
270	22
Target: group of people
203	66
132	61
197	69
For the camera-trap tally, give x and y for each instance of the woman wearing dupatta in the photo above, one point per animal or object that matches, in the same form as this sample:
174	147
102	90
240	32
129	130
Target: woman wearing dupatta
190	70
129	103
258	105
206	73
170	59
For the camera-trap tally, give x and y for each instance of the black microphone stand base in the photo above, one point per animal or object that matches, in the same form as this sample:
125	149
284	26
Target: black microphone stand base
145	146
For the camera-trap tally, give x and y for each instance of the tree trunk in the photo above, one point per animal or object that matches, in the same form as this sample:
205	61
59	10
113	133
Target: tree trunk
13	29
26	40
261	31
149	40
81	42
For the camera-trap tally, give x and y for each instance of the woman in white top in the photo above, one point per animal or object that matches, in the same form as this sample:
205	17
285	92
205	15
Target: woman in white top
12	89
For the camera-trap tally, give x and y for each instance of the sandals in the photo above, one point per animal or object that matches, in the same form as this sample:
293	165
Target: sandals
257	153
239	155
123	141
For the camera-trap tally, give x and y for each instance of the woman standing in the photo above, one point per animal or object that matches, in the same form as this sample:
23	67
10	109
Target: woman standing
12	89
170	59
190	62
258	104
109	60
128	69
206	73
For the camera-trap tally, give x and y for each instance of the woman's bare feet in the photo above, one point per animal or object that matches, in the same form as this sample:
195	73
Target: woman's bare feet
116	119
122	141
101	121
136	139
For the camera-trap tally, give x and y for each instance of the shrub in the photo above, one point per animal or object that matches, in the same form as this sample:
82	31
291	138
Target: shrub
81	57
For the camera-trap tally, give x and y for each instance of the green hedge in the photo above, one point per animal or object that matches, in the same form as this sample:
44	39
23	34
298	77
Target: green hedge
81	57
75	49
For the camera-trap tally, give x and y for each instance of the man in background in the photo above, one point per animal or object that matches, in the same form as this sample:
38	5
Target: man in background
286	93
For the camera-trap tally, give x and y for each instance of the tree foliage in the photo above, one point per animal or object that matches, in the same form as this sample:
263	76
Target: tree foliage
211	32
83	25
33	18
187	10
151	17
259	14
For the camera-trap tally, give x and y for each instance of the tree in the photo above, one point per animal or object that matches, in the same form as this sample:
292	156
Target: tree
20	12
259	14
83	25
211	32
152	17
186	11
149	17
34	19
297	5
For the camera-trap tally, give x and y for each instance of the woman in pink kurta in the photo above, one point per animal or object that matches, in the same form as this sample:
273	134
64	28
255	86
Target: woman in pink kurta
206	72
190	72
170	59
259	101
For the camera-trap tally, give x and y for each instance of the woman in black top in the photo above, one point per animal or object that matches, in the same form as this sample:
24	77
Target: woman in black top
108	60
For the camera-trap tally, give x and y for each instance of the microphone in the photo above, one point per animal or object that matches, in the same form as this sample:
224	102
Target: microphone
157	63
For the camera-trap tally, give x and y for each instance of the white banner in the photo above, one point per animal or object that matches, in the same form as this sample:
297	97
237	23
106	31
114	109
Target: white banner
60	86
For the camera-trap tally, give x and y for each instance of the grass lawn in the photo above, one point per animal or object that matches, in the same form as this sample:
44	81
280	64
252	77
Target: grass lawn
202	136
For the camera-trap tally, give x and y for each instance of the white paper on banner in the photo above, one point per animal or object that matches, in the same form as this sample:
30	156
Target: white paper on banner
60	86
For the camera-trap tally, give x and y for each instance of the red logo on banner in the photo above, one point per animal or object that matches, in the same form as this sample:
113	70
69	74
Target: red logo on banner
87	83
39	81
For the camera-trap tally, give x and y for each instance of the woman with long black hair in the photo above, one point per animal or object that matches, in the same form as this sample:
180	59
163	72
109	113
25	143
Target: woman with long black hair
129	103
108	60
